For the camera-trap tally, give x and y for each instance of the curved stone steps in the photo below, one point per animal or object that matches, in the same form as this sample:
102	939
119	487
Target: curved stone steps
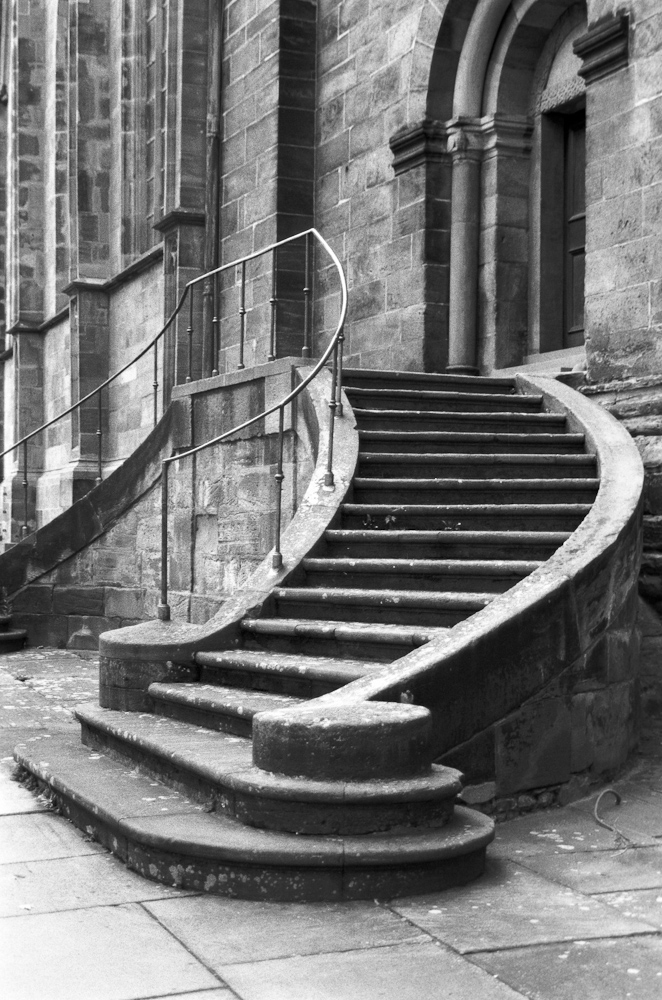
468	466
425	399
286	673
478	491
169	837
493	575
422	420
452	517
372	377
379	643
364	543
406	607
478	442
219	707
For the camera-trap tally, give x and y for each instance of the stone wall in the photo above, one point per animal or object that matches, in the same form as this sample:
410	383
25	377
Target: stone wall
221	522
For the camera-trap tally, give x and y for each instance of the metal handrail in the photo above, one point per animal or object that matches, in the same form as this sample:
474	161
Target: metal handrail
335	348
216	346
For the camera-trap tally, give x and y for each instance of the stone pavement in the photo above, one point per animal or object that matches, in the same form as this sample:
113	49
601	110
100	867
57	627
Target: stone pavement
567	909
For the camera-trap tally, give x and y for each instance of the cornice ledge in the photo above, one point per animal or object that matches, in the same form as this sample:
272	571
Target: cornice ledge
417	144
604	49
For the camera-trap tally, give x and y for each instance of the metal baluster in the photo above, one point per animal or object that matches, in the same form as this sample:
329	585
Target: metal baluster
242	315
341	344
163	610
99	436
189	333
215	328
155	382
305	353
277	560
273	300
24	528
333	405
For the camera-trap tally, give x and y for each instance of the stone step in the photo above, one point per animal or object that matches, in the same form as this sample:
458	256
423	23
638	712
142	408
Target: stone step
170	838
379	643
442	401
469	466
420	420
226	709
369	378
473	491
341	542
12	640
459	517
493	575
406	607
209	774
478	442
286	673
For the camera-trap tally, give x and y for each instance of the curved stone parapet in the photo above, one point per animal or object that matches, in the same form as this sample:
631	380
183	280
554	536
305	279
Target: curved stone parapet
550	663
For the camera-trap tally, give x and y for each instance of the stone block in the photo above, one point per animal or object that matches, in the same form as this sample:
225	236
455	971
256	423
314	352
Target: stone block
78	600
43	630
123	603
533	746
35	599
602	725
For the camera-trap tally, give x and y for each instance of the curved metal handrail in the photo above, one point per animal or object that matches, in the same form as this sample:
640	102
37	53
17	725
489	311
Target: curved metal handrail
215	345
334	348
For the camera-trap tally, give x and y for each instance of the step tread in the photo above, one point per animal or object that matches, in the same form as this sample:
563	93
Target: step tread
488	416
289	664
207	751
415	635
240	702
461	508
401	598
382	482
443	395
471	458
399	535
116	795
486	567
440	377
471	437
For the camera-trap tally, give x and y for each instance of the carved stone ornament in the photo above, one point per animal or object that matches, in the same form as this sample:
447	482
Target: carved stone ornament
604	48
416	144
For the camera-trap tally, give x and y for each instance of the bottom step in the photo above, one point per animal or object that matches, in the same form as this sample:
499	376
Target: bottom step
168	838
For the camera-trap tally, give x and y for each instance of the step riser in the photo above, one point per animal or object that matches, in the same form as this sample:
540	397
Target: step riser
485	404
395	549
459	583
434	383
493	422
373	652
475	470
383	493
525	446
217	721
298	687
374	614
465	521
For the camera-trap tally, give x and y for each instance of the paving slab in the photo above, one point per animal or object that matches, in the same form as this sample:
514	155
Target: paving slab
72	883
642	904
554	831
38	837
638	817
509	907
400	972
604	871
223	931
106	953
618	969
13	797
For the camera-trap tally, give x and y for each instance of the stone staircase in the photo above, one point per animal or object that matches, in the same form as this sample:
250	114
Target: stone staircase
464	487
